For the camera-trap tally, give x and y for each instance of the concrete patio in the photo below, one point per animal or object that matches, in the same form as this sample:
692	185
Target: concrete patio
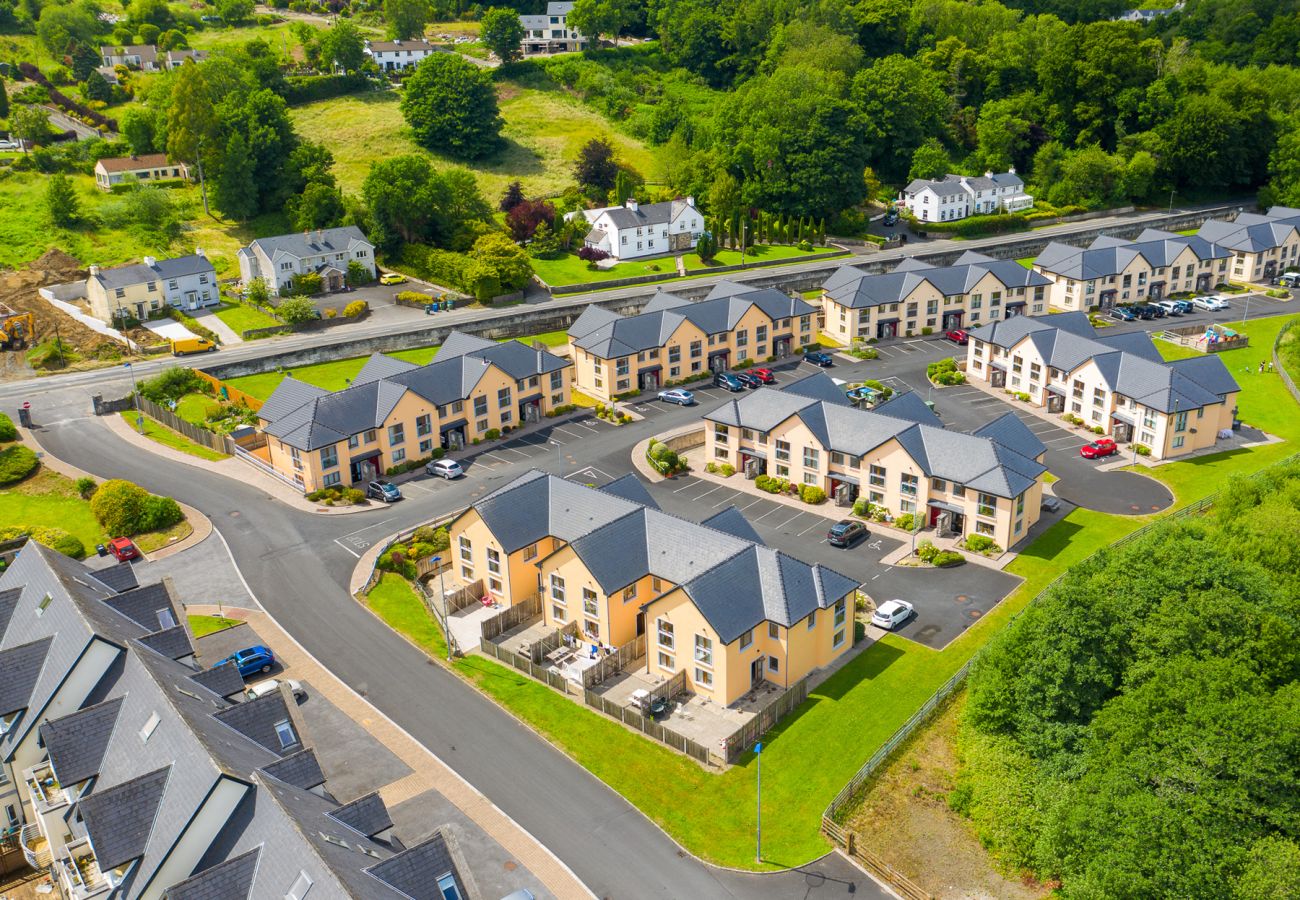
696	718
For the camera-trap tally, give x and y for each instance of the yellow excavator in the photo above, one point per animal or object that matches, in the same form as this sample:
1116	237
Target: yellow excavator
17	329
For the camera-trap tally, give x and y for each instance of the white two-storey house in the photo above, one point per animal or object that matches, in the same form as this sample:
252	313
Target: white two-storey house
958	196
397	56
635	229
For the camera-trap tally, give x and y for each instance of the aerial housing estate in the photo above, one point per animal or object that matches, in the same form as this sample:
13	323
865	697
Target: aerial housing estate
712	600
674	339
1262	246
1117	382
130	772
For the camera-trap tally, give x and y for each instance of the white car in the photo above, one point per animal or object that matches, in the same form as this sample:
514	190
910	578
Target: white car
270	686
892	613
444	468
1210	303
6	144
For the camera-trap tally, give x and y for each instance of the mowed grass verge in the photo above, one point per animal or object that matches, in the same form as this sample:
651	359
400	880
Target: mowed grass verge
568	269
240	318
50	500
161	434
205	625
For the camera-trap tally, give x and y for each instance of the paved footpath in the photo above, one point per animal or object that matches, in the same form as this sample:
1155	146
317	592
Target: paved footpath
427	771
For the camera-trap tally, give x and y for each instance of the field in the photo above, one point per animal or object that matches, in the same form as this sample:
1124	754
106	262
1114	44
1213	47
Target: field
568	269
543	131
49	499
161	434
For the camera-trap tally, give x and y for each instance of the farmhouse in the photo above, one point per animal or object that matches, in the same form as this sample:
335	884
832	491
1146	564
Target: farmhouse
958	196
149	168
635	230
397	56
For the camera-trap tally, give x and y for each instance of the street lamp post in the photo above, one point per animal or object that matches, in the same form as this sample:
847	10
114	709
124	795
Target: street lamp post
446	622
135	396
1246	312
758	837
559	460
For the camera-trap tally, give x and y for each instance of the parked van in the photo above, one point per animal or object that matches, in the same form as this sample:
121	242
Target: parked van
1290	280
192	345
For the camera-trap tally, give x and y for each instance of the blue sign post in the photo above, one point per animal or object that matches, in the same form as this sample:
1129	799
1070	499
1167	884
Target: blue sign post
758	759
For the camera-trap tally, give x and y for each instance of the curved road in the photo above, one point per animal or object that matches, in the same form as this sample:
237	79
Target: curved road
293	566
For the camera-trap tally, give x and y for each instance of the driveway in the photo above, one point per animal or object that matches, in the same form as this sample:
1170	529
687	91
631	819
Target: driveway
169	329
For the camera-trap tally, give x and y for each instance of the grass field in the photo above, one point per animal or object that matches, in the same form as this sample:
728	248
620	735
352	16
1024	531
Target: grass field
204	625
1027	261
543	131
395	601
240	317
161	434
568	269
49	499
195	408
757	253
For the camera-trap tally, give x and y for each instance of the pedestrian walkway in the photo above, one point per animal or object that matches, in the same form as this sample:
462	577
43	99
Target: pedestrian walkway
428	772
210	320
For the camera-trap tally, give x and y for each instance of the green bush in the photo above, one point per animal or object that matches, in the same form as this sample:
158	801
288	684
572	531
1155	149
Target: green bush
1097	429
980	543
947	558
413	297
745	363
726	470
945	372
437	538
1141	449
926	551
86	487
354	495
305	284
906	521
811	494
711	468
662	458
16	463
492	434
771	485
126	509
173	384
295	310
54	538
926	331
860	507
865	352
8	432
355	308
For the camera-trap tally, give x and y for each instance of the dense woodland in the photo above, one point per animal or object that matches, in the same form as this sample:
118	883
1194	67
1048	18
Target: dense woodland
1137	732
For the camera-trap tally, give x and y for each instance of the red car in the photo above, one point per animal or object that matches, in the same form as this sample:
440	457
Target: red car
123	549
1098	448
957	336
763	375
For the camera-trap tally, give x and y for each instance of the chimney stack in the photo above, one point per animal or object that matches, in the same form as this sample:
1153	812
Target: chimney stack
151	262
988	174
94	271
690	201
632	204
1011	170
198	251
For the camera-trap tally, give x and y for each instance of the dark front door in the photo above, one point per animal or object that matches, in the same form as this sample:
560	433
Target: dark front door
1108	299
781	347
886	330
1270	268
1203	281
648	381
952	321
531	411
997	377
756	671
1015	309
640	624
453	438
718	361
1157	290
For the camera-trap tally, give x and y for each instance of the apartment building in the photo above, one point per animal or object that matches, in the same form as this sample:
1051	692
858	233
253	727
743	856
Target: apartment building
1118	382
916	298
325	252
134	291
673	339
1112	271
710	598
395	411
133	773
1262	246
897	455
958	196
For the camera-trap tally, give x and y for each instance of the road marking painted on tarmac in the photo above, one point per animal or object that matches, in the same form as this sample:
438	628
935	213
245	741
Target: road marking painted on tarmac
730	498
517	450
687	486
359	543
709	491
751	503
789	520
775	508
809	528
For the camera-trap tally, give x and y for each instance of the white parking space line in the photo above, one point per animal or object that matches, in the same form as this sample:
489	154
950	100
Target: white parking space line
777	508
687	486
789	520
517	450
352	540
813	527
717	487
730	498
751	503
577	434
1068	437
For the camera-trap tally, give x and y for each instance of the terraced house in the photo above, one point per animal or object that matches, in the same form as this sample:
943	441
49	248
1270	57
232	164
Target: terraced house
1113	271
710	598
673	339
133	773
396	411
1116	382
1262	246
898	456
919	299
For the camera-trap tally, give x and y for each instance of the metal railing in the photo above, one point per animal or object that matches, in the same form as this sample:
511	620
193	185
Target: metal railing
258	463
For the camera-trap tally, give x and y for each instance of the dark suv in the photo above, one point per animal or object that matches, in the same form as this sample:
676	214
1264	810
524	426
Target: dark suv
846	533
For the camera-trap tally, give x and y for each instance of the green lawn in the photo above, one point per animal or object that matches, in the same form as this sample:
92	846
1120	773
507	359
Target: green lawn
543	131
395	601
195	408
1027	261
240	317
161	434
50	500
203	625
757	253
568	269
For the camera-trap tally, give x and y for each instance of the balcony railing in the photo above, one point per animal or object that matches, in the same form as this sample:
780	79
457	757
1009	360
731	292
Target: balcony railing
45	789
79	871
36	847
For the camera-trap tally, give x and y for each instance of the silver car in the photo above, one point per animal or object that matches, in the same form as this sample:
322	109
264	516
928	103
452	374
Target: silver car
444	468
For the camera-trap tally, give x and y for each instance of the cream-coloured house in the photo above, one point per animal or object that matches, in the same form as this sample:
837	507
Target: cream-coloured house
1117	382
396	411
1262	246
917	298
675	340
711	600
147	169
897	456
135	291
1112	271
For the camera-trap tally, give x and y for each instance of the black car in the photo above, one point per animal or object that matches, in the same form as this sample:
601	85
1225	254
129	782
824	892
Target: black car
1157	311
846	533
751	381
1145	313
818	359
728	381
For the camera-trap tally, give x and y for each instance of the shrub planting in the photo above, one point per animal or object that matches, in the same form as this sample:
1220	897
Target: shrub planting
16	463
8	431
981	543
173	384
54	538
945	372
811	494
126	509
86	487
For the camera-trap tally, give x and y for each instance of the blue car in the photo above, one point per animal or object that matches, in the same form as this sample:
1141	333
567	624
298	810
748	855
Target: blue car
251	660
728	381
680	396
819	359
1123	313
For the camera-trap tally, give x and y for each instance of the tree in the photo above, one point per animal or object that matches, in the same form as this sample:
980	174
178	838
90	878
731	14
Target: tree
513	196
406	18
235	12
148	33
172	39
296	309
724	194
526	217
235	191
319	206
191	121
451	106
503	259
85	59
358	274
4	100
61	198
502	32
138	125
343	46
900	103
258	294
32	124
62	27
410	203
596	169
96	88
595	18
706	247
152	12
930	161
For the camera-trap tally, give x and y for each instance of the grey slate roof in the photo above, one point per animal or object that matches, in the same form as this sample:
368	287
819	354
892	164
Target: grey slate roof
909	407
1251	232
120	577
414	872
733	522
147	606
819	386
629	487
8	603
223	680
256	720
1066	341
310	418
229	880
1010	430
646	214
20	667
617	336
1108	256
78	741
162	269
303	245
301	769
534	506
172	642
120	818
366	815
893	287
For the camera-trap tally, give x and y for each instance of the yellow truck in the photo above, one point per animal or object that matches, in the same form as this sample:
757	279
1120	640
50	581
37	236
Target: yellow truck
192	345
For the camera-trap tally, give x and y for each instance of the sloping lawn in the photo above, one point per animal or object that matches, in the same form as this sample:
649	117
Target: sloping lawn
205	625
568	269
757	253
161	434
50	500
241	318
396	602
195	408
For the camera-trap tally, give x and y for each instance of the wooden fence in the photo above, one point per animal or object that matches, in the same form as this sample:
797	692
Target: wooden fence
1277	360
524	664
744	737
902	885
226	392
568	634
219	443
648	726
511	616
463	596
614	663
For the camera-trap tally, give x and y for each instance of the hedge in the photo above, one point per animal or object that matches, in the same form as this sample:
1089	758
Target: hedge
54	538
7	430
126	509
308	88
16	463
60	99
974	225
